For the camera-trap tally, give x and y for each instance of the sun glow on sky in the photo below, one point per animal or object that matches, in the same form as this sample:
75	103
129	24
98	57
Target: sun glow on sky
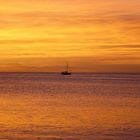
92	35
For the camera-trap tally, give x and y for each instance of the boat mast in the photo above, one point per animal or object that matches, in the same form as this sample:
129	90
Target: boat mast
67	67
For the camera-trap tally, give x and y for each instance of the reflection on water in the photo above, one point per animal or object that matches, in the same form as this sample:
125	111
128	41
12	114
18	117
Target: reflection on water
36	106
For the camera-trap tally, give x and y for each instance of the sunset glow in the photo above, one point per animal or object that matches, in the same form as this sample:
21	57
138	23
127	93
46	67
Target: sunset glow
92	35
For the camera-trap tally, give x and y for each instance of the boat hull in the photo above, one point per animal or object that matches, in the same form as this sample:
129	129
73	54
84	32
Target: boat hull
66	73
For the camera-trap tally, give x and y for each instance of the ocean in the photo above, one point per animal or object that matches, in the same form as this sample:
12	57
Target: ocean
83	106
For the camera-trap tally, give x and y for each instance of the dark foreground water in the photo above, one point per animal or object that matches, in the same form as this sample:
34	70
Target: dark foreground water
37	106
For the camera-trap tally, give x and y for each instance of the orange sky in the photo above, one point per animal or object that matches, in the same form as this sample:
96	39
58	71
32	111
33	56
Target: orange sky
92	35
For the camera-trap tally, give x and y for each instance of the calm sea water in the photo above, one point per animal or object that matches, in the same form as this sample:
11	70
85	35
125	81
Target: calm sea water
41	106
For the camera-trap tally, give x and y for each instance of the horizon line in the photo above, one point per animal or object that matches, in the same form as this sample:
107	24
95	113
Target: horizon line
73	72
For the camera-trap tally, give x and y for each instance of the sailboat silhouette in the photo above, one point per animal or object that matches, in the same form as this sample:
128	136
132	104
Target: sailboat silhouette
67	70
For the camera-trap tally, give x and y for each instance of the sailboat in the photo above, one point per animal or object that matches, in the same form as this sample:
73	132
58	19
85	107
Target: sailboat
67	70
